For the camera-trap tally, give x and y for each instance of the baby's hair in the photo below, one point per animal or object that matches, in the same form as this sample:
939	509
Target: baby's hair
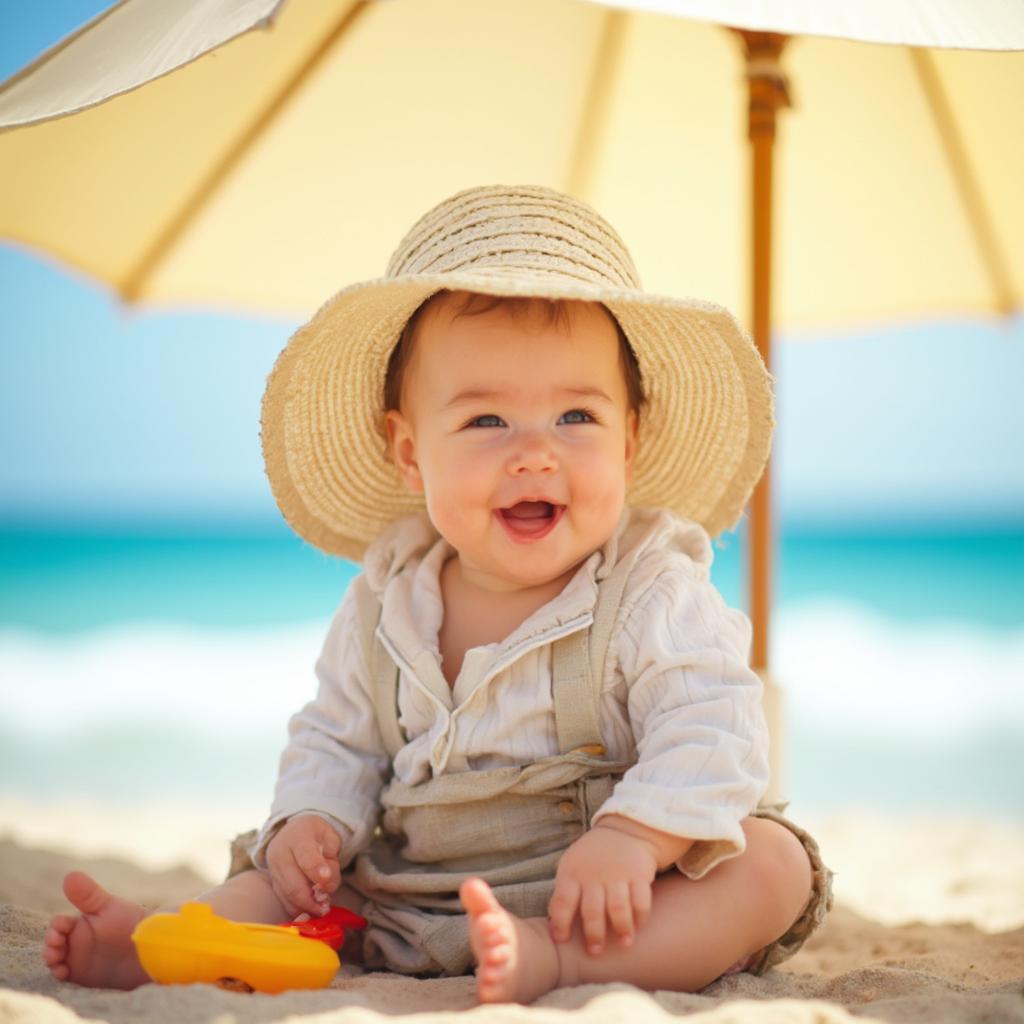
555	311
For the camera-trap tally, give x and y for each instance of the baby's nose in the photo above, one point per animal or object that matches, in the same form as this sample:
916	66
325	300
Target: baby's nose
533	454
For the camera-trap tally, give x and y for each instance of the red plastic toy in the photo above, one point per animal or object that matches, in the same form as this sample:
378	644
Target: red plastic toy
330	928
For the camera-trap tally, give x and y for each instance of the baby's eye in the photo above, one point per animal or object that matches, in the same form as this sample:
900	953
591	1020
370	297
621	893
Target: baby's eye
577	416
487	420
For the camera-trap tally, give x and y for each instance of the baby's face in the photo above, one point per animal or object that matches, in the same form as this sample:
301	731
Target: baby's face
520	436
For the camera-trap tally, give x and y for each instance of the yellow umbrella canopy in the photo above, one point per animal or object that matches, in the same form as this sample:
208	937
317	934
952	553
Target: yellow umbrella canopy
269	171
273	167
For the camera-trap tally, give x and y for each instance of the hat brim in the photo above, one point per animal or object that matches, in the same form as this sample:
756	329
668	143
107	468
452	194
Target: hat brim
704	436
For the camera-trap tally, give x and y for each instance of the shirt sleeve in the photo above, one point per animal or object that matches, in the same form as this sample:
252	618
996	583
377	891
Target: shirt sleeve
695	709
335	763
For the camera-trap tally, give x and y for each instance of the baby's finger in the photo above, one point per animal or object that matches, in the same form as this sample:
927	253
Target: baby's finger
289	908
330	842
620	911
641	894
295	886
332	879
592	914
562	908
328	874
311	861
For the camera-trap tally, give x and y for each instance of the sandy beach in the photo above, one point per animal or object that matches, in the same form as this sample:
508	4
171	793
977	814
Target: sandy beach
929	926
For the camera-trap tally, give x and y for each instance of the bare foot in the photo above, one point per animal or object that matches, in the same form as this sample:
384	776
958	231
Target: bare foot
516	959
94	949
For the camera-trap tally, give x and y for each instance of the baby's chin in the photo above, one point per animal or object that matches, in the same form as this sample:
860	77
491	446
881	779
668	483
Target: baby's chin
496	562
524	572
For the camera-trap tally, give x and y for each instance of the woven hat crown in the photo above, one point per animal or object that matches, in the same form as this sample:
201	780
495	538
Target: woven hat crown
502	233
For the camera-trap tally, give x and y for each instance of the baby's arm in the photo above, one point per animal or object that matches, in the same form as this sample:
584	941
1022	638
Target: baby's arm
607	874
694	708
331	773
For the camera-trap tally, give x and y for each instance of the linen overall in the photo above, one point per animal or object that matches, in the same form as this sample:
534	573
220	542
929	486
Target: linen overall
507	825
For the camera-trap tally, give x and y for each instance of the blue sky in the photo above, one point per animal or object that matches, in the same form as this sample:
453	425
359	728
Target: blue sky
107	413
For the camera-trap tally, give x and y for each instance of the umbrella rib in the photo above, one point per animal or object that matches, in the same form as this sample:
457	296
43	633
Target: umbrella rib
131	288
53	51
966	183
596	103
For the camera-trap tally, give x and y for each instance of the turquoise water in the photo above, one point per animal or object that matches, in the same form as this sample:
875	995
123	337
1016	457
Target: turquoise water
64	581
166	662
59	582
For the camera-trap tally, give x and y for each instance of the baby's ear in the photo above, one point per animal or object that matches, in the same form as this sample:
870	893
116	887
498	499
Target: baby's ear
402	445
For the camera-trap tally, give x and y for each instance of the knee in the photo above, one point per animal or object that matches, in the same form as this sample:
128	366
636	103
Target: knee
779	868
247	896
249	878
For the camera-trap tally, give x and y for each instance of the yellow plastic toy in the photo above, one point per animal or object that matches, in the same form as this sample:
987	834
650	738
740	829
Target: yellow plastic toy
197	945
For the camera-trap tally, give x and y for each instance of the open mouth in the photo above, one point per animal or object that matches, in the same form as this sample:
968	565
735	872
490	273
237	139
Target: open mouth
530	520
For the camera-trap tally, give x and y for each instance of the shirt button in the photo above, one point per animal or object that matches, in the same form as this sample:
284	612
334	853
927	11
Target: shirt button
567	807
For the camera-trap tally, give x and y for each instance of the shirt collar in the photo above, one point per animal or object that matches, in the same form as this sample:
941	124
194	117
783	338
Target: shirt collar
403	568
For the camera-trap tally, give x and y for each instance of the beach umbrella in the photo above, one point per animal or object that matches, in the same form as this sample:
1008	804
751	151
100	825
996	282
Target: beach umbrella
258	154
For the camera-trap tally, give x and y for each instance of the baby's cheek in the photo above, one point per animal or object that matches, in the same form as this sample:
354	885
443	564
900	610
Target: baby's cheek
598	487
469	490
455	509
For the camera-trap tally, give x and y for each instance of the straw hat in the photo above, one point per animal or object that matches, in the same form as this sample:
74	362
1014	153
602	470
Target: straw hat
704	434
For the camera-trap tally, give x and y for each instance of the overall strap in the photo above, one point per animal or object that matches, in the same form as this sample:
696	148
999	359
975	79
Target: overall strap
574	695
578	664
609	600
383	671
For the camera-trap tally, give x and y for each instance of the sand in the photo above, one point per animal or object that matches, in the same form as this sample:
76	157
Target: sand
929	926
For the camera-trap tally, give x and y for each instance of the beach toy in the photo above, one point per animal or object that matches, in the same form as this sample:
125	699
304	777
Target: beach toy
330	928
197	945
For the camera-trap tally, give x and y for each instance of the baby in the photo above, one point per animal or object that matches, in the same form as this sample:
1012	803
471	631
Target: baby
536	744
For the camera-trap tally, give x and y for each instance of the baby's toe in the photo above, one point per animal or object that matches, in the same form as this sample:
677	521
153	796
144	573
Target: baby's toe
486	984
490	984
477	897
55	944
497	955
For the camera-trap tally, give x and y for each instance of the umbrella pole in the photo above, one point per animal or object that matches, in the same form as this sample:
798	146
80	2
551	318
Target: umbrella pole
768	92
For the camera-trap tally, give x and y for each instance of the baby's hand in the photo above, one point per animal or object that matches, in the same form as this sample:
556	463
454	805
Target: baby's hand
606	875
303	862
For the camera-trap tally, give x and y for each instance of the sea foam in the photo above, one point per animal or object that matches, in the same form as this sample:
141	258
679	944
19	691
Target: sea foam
164	708
840	665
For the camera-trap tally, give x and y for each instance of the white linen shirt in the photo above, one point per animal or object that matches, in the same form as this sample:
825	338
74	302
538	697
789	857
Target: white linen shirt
677	698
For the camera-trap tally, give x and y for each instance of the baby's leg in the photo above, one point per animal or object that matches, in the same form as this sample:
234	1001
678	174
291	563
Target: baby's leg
695	932
95	947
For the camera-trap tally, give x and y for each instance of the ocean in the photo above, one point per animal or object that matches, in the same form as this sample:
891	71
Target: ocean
165	662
